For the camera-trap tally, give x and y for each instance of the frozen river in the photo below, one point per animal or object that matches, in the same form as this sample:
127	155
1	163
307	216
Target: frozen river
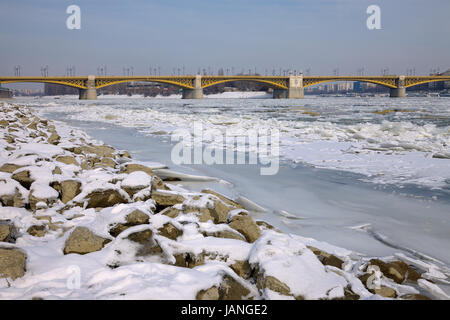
368	174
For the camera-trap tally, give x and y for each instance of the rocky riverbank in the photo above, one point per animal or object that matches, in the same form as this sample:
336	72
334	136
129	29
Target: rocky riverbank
82	220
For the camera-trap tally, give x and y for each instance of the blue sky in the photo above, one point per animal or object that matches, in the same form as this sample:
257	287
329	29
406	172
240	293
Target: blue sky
318	34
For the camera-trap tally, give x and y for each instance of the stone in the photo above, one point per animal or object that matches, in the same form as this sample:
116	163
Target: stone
141	236
9	167
149	246
272	283
135	218
223	198
12	263
231	289
266	226
102	151
57	170
326	258
208	294
50	199
168	230
132	167
125	154
54	138
171	212
35	202
164	198
398	270
385	292
246	226
158	184
219	212
24	178
189	260
37	231
67	160
108	162
14	199
414	297
69	189
5	231
226	234
105	198
83	241
242	269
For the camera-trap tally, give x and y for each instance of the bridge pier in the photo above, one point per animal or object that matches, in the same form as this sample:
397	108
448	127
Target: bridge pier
400	91
197	92
295	89
91	92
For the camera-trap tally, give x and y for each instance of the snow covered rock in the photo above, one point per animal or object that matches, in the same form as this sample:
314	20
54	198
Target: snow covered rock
132	167
12	263
326	258
245	225
42	194
12	193
54	138
135	218
136	181
223	198
167	198
398	270
9	167
83	241
168	230
24	178
5	231
67	160
37	231
69	189
105	198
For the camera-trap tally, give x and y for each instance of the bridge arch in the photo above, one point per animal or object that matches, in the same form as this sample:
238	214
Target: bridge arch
80	84
389	83
273	83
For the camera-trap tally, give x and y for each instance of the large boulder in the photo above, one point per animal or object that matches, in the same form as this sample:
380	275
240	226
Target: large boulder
105	198
326	258
54	138
229	289
42	194
246	226
24	178
149	246
135	218
168	230
83	241
167	198
398	270
223	198
132	167
9	167
37	230
268	282
69	189
135	182
5	231
67	160
12	263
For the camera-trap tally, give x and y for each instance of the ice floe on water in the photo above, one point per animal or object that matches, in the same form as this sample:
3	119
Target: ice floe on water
388	141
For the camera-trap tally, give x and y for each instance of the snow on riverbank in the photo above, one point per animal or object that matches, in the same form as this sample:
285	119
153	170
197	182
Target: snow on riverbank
79	219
